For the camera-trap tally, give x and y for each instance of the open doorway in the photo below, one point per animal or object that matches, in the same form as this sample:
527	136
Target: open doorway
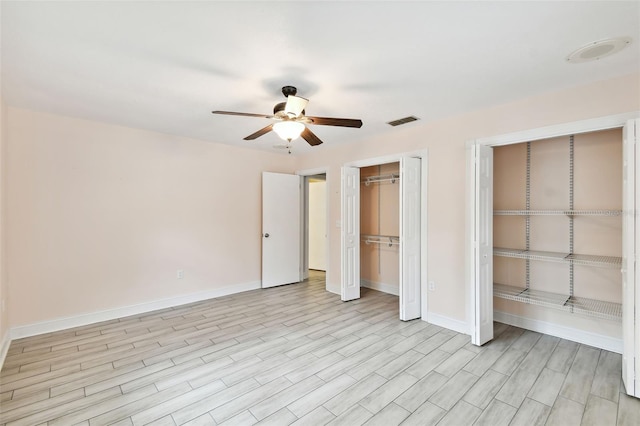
315	227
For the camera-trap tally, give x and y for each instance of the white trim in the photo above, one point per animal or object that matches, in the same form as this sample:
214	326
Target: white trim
304	228
385	288
91	318
4	347
424	243
386	159
575	127
311	172
448	323
568	333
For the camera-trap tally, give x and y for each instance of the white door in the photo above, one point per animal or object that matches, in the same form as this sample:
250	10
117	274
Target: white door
281	233
482	257
630	197
350	234
410	238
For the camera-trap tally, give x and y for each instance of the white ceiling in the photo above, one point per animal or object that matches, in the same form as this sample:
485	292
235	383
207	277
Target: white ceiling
165	66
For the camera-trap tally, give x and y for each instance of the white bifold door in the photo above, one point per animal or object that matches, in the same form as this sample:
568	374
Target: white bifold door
410	236
350	235
481	257
281	230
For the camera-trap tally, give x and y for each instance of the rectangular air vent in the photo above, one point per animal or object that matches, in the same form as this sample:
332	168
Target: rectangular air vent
402	121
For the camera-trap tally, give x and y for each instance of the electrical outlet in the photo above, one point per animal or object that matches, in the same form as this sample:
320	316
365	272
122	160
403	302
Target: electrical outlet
180	274
432	285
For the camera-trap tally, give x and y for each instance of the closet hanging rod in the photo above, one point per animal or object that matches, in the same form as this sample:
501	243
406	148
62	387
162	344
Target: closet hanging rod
390	240
393	177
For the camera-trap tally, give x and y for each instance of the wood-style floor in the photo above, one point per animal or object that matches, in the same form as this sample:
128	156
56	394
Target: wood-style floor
298	355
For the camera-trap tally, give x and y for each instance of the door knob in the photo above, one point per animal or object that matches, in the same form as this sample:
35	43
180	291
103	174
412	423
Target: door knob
266	235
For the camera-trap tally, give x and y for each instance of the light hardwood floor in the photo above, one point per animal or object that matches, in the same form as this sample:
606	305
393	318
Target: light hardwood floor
298	355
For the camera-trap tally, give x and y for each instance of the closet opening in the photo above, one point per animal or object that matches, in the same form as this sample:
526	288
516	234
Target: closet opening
380	228
557	232
383	237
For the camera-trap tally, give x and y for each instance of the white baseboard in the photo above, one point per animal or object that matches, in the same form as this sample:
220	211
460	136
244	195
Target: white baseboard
385	288
575	335
449	323
4	347
125	311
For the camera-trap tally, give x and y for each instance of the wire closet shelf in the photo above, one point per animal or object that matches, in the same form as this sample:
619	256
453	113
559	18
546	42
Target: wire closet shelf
570	258
577	305
557	212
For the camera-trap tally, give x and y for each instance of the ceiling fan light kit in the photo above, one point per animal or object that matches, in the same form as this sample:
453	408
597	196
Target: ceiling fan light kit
288	130
291	120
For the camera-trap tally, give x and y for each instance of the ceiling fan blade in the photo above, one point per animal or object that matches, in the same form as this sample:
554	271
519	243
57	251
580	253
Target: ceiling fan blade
244	114
259	133
310	137
295	105
342	122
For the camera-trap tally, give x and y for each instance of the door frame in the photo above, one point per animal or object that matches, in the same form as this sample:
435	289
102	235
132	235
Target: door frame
393	158
474	300
304	220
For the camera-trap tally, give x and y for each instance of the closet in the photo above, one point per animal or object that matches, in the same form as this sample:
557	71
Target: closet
393	218
553	234
380	227
557	232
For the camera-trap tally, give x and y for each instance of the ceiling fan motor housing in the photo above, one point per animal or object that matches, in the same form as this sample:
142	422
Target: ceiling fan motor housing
279	108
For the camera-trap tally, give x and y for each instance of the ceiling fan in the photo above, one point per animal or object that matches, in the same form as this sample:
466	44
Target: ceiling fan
290	120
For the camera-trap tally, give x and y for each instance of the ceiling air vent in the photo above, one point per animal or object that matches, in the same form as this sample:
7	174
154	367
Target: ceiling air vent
402	121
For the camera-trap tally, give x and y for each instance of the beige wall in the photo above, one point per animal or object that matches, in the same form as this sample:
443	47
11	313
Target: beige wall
102	217
445	141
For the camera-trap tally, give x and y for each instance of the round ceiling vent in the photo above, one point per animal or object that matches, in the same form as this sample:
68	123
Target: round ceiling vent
598	49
